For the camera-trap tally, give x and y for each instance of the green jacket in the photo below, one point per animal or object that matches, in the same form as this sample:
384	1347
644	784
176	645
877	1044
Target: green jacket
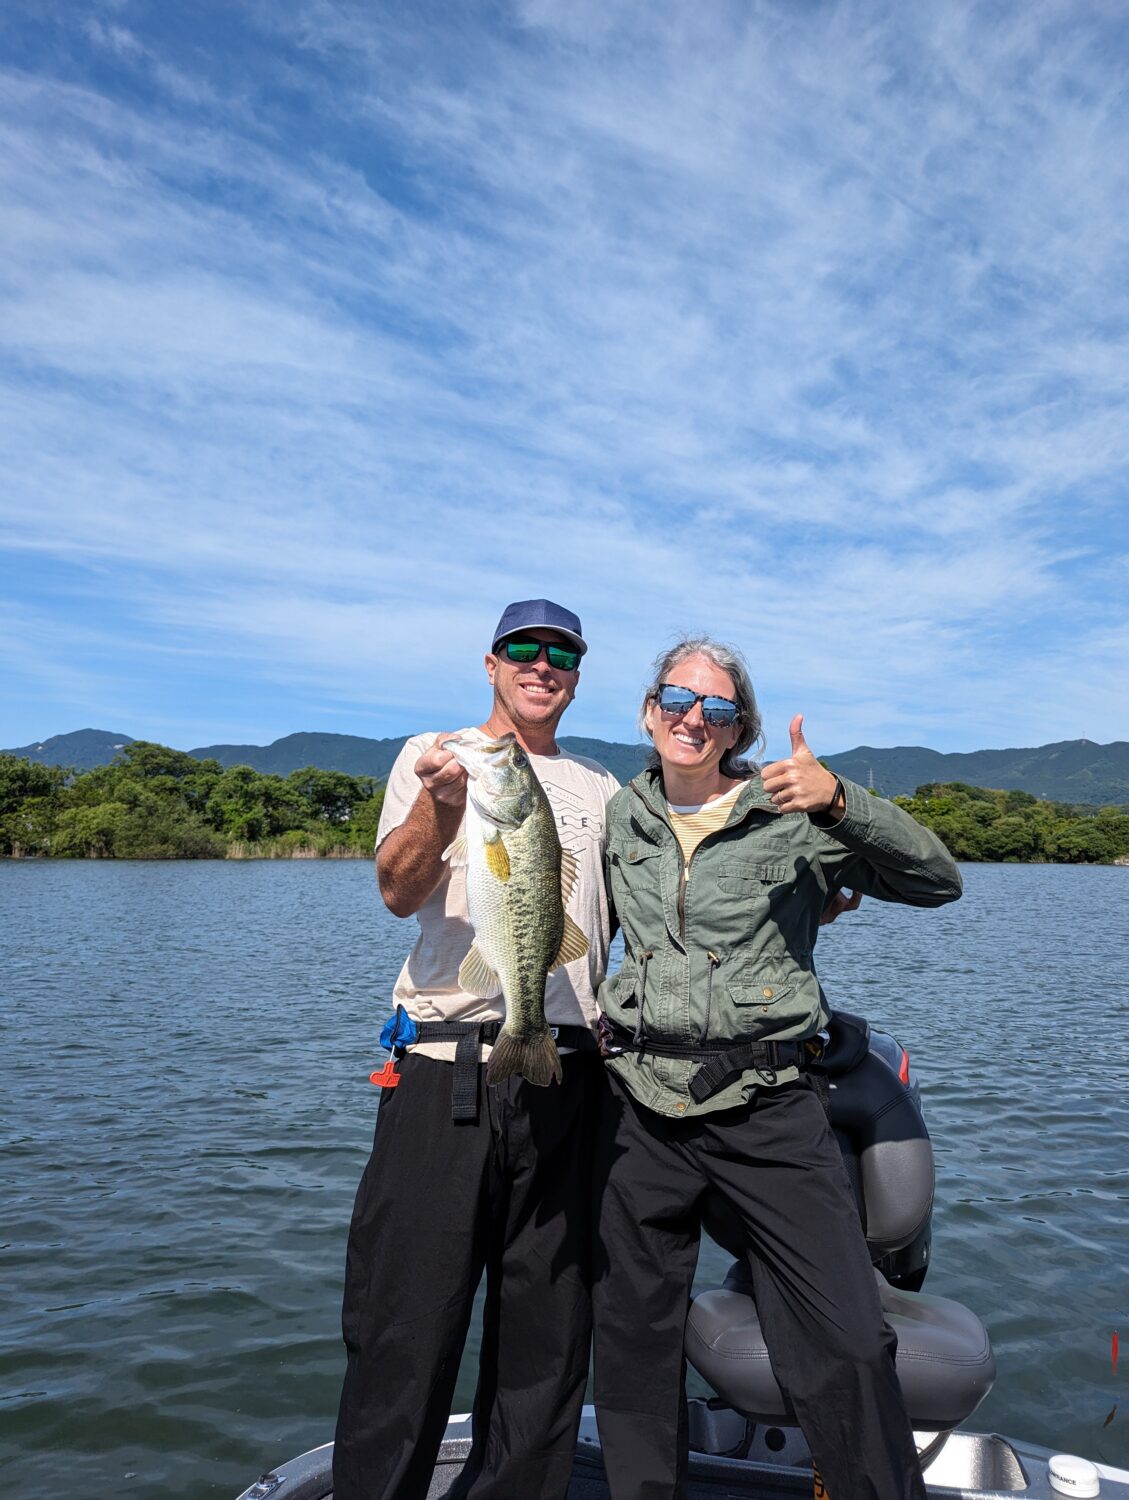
727	956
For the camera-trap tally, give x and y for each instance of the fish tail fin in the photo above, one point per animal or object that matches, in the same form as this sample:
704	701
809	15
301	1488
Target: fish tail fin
535	1058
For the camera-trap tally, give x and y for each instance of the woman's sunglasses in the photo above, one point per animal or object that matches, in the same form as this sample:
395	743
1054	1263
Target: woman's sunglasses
720	712
564	658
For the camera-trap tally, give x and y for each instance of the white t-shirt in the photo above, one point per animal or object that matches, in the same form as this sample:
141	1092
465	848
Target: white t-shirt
428	987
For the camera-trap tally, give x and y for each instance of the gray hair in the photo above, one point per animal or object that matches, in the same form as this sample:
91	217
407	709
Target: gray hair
730	661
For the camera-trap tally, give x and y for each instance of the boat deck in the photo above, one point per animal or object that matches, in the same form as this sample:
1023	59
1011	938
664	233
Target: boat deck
733	1459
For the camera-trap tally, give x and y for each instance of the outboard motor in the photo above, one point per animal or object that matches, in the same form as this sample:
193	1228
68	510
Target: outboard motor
944	1361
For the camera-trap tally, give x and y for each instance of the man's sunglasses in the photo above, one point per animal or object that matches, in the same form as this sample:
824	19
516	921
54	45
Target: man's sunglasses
564	658
719	712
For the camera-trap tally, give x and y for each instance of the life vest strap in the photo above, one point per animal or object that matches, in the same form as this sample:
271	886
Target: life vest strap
402	1032
719	1064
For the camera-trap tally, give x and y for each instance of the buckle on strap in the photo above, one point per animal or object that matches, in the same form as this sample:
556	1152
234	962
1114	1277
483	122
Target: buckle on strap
763	1057
713	1074
717	1064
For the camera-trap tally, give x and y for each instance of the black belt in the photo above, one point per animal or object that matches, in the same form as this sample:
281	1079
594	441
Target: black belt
468	1037
719	1064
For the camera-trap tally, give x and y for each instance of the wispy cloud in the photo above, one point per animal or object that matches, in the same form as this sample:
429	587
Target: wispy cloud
331	328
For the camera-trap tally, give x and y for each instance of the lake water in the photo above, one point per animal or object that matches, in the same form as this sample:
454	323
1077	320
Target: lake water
185	1113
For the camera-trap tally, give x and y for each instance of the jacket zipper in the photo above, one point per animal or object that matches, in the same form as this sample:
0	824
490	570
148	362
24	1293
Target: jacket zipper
712	958
640	1028
684	882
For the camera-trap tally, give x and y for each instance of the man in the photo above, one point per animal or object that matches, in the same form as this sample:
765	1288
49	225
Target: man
465	1177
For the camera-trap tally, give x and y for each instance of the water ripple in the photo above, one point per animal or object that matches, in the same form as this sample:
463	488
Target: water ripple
187	1049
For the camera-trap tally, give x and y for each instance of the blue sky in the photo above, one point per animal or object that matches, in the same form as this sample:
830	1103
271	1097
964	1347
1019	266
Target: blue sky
329	328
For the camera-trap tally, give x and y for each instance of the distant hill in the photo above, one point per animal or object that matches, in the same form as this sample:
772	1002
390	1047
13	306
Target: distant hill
1072	771
357	756
623	761
351	753
84	749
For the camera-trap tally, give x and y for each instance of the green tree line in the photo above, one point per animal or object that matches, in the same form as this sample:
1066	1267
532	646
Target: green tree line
975	823
156	803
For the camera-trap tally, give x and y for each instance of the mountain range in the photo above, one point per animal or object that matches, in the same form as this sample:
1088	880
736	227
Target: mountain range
1073	771
356	756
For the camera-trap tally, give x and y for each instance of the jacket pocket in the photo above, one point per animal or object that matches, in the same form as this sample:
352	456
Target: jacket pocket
632	852
634	871
742	877
758	989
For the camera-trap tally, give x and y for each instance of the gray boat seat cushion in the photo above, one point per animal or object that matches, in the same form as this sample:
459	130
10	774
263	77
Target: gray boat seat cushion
886	1151
945	1362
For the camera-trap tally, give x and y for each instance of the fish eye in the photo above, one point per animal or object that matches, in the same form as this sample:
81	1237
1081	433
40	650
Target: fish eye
521	760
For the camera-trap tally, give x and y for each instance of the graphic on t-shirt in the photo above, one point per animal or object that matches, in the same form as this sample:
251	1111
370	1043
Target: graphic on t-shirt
577	822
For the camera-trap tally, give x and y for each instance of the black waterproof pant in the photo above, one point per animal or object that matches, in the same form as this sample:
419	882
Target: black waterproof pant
440	1202
776	1163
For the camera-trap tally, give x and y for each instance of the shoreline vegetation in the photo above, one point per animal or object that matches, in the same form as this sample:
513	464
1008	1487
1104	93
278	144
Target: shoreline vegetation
979	825
156	803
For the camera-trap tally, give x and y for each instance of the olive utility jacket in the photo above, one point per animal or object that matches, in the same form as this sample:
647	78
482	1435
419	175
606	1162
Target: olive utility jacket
727	955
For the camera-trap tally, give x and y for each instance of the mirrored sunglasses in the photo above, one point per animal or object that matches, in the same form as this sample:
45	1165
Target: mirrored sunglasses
563	658
719	712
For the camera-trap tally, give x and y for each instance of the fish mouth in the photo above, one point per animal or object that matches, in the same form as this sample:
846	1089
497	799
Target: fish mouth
496	786
494	749
476	755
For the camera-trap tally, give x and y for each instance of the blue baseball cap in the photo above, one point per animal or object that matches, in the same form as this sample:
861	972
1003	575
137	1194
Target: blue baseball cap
539	614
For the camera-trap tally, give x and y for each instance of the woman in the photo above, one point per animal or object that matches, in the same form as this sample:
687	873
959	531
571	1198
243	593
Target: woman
719	876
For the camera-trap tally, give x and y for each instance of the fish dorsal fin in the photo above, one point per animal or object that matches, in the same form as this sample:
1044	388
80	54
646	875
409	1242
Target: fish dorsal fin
497	858
477	977
569	872
573	945
456	852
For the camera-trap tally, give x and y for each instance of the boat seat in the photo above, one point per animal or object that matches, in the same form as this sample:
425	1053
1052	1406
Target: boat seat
944	1360
945	1363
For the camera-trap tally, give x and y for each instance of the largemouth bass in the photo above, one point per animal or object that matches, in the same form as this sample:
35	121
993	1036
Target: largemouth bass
518	882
